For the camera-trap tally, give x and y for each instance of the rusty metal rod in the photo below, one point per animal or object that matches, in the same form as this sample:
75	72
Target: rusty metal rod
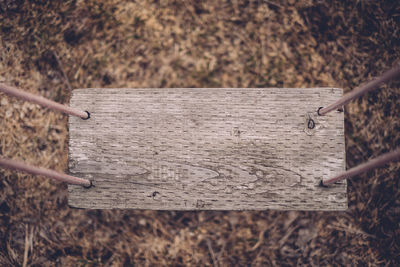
369	165
372	85
21	166
18	93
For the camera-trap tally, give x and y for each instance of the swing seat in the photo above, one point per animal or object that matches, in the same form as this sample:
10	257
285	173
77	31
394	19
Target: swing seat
207	149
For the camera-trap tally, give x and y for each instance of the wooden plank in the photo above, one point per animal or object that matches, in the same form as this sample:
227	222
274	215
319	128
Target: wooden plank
211	148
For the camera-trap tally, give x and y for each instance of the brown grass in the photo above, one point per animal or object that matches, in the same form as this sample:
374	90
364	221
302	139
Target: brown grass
47	48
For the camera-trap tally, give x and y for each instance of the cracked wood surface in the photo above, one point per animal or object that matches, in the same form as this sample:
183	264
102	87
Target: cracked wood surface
207	148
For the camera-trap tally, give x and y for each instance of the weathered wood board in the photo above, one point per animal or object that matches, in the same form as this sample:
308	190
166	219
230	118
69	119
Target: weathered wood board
207	148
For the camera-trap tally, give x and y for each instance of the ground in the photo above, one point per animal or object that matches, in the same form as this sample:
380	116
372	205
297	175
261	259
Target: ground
50	47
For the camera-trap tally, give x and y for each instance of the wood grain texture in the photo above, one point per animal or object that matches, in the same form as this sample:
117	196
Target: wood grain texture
207	148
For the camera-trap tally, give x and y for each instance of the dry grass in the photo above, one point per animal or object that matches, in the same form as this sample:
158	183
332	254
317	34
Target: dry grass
47	48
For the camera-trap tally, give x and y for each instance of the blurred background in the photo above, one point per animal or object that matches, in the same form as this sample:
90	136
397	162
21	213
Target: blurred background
51	47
